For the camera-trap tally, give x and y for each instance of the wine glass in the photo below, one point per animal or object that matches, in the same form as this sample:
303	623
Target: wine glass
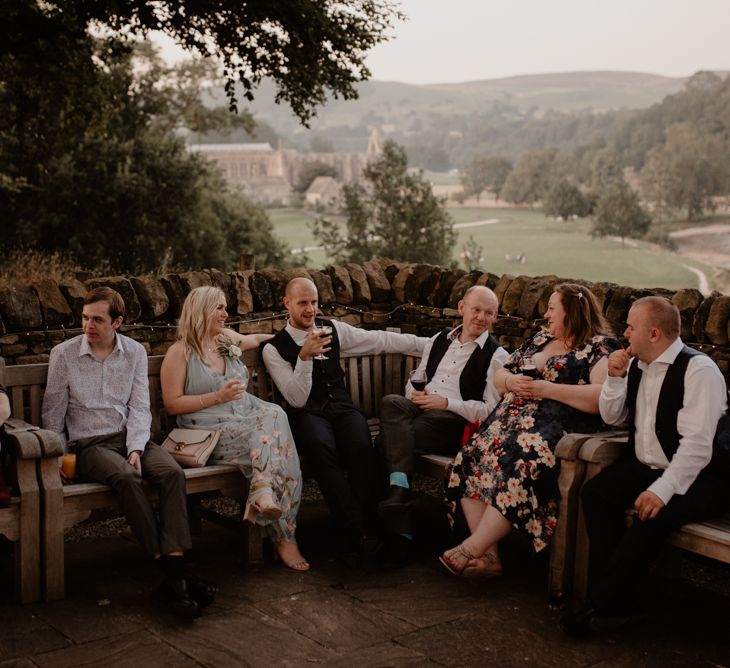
322	330
418	379
238	371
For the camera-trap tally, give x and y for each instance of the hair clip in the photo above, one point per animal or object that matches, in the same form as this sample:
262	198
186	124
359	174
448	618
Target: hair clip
580	294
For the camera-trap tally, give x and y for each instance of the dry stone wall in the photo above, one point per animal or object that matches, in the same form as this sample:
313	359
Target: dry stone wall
417	298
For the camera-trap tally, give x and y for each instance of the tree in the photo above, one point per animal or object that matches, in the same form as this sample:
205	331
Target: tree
310	171
605	169
307	47
90	166
475	176
564	200
532	177
485	173
619	213
396	215
697	163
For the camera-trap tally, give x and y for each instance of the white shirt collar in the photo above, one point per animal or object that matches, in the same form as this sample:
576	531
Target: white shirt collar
668	356
85	348
480	340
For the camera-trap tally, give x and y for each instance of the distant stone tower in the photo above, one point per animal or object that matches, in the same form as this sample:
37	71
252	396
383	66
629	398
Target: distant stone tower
375	144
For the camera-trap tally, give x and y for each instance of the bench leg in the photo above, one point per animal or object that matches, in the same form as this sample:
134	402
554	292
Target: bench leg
582	542
562	550
28	545
52	528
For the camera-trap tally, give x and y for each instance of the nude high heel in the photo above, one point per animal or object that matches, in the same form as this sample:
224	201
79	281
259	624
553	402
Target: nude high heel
295	562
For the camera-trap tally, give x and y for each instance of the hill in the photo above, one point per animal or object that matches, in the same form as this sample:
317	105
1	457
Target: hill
402	108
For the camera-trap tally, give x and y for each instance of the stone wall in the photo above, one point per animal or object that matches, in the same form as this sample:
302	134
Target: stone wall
380	293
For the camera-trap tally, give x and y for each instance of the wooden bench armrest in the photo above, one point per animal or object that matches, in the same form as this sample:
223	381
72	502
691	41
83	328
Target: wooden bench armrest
604	448
30	442
569	446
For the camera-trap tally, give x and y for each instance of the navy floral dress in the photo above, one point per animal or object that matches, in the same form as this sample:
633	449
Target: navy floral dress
509	462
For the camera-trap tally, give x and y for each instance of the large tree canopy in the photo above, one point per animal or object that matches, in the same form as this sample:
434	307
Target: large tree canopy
89	164
307	47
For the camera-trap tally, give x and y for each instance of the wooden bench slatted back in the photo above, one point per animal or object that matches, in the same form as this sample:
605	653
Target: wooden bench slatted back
368	379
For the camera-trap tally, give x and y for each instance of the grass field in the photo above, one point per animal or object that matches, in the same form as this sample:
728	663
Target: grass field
551	247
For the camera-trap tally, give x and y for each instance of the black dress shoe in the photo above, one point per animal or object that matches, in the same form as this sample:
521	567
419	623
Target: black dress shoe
201	591
173	595
397	554
397	502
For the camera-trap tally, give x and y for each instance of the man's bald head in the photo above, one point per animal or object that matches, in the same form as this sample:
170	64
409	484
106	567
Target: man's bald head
301	300
299	283
479	311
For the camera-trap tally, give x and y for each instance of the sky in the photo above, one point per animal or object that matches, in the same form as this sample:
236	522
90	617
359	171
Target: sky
466	40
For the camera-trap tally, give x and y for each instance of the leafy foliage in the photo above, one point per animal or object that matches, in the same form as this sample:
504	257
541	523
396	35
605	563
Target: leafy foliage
88	162
565	200
310	171
305	46
395	215
485	173
619	213
532	177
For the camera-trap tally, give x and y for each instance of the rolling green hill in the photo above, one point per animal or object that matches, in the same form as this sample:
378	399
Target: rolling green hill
402	108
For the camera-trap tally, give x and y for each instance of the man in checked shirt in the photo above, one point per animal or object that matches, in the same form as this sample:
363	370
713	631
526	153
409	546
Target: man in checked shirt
97	400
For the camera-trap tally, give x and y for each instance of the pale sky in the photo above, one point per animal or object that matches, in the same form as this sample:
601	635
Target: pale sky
465	40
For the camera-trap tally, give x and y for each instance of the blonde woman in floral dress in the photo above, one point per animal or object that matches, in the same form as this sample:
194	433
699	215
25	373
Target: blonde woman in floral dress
204	383
506	475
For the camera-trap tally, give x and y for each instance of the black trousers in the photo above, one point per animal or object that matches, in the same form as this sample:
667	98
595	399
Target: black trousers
619	555
407	431
104	459
338	451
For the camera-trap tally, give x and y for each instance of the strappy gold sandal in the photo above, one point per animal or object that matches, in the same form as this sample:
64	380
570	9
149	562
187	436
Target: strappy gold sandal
461	551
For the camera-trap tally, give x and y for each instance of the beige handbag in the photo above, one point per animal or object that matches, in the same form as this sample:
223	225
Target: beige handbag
191	447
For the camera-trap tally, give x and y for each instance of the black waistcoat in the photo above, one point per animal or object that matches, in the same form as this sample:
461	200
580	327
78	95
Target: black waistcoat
473	377
670	402
328	379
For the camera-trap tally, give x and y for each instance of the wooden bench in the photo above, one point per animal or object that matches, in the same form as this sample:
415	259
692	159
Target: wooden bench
49	507
710	538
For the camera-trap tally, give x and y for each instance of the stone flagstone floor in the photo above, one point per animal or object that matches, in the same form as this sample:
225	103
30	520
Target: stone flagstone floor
266	615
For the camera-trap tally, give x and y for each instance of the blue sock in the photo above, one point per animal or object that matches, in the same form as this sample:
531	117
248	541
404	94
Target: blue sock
399	479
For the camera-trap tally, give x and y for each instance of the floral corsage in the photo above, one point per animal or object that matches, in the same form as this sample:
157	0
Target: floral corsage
226	348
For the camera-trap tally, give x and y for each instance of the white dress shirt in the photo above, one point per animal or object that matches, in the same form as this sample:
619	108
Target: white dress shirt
86	396
705	401
296	384
445	381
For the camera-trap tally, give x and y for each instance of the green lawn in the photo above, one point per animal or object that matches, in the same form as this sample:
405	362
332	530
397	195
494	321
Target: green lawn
551	247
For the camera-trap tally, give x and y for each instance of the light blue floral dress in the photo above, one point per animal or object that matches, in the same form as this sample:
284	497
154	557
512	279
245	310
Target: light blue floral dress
255	436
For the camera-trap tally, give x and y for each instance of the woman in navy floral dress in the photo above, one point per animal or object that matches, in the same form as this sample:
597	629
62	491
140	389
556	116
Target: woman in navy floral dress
506	475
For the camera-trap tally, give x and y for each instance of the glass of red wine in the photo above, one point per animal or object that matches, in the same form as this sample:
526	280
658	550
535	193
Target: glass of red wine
418	379
529	369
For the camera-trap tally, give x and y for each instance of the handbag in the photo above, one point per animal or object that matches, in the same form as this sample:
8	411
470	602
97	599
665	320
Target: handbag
191	447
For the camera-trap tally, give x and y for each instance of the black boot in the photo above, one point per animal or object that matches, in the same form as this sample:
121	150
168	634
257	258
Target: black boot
201	591
173	594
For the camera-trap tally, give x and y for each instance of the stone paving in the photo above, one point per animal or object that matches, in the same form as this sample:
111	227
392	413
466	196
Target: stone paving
266	615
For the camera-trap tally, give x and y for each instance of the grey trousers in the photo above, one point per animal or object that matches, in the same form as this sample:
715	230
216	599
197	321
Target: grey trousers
406	431
103	459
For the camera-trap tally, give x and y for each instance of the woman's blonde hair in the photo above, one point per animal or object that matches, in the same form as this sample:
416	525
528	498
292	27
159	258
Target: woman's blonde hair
583	317
197	311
